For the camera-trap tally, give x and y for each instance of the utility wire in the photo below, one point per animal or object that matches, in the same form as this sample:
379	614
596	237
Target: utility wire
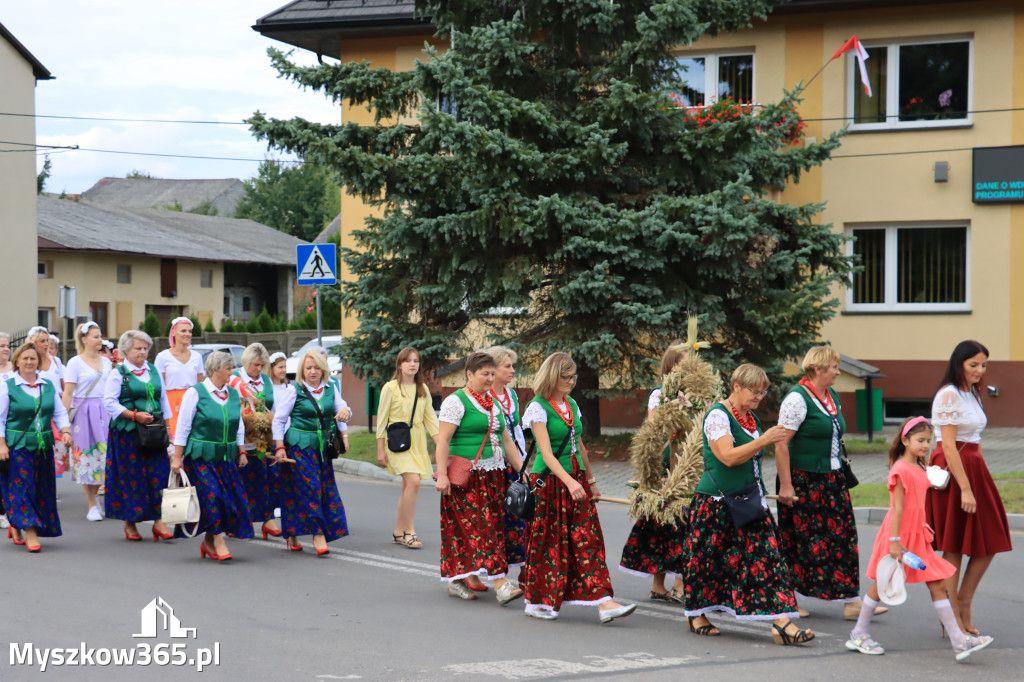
36	147
126	120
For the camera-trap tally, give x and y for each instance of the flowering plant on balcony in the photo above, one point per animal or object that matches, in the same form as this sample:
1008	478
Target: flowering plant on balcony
724	110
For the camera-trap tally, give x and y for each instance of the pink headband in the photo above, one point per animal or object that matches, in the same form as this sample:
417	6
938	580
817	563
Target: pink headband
912	423
175	323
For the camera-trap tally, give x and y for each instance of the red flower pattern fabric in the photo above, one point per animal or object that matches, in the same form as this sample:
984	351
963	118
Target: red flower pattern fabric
473	527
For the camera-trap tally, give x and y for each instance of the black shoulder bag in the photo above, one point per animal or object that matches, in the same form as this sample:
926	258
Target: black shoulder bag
519	498
744	505
334	446
151	438
400	433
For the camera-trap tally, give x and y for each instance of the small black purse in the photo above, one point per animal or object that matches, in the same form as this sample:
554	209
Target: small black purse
844	463
150	438
744	505
519	498
400	433
334	444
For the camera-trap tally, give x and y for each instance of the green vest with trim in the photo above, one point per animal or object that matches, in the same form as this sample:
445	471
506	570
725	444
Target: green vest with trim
138	396
811	447
728	478
24	432
473	430
305	431
266	393
557	430
214	434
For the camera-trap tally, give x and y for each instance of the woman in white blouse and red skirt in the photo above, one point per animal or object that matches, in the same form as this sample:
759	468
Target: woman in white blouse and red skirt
968	515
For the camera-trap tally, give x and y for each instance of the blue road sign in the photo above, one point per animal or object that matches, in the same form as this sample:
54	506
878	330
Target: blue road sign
317	263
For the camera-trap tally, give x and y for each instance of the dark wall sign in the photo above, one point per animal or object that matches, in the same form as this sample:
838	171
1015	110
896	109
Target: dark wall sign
998	175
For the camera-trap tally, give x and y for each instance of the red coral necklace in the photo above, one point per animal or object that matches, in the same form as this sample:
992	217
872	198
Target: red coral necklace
827	401
748	422
568	417
486	402
507	409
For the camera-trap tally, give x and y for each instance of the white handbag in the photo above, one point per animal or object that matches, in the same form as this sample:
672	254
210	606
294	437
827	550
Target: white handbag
938	477
180	504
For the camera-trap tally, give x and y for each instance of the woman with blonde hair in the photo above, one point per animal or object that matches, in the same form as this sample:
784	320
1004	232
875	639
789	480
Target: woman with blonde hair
180	367
6	368
258	477
472	430
209	446
90	423
50	368
653	548
817	531
135	476
406	399
737	570
28	403
565	557
303	419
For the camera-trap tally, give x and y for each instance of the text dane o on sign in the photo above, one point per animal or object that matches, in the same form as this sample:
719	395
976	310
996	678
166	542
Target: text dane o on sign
317	263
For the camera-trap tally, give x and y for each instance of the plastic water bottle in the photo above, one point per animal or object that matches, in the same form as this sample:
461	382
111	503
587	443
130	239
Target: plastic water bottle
914	561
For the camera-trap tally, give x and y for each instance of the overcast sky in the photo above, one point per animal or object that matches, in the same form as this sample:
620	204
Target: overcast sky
183	60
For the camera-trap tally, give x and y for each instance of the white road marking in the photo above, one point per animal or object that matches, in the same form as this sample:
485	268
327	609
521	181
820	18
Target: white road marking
548	667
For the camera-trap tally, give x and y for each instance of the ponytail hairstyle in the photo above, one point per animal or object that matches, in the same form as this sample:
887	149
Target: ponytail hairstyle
909	427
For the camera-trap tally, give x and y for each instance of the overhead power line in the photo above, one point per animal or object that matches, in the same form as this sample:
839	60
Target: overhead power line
125	120
35	147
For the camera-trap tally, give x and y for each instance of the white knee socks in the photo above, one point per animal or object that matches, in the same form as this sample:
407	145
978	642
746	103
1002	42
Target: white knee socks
945	611
867	610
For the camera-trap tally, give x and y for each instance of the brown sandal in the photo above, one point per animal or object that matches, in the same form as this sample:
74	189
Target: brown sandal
708	630
782	635
410	540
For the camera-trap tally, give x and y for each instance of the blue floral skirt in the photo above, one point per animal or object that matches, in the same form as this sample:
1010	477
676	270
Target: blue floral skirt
30	492
260	482
738	571
310	502
222	504
135	481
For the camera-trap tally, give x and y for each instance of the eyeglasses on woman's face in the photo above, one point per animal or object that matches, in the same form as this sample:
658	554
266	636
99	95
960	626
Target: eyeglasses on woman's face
569	378
757	394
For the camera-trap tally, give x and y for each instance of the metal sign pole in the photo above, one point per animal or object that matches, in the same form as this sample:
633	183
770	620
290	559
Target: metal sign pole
319	326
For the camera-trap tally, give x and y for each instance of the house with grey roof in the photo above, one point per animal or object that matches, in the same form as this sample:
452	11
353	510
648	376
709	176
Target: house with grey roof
213	197
126	261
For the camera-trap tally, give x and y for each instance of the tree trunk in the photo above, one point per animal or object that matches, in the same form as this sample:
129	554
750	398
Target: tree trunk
590	407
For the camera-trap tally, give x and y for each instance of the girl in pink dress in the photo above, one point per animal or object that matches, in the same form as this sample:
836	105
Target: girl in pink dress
907	486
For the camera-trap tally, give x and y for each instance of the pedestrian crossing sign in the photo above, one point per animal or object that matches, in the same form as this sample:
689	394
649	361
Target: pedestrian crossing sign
317	264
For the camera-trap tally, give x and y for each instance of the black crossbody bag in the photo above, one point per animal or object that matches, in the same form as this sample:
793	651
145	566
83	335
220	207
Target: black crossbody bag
400	433
520	499
744	505
151	438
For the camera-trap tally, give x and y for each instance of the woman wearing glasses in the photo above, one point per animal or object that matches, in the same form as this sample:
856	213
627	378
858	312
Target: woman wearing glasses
738	571
565	558
817	531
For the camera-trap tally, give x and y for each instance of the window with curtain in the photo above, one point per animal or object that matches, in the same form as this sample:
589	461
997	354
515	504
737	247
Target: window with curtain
914	85
906	268
715	76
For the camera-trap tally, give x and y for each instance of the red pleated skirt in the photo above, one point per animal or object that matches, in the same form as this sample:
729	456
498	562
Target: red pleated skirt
982	533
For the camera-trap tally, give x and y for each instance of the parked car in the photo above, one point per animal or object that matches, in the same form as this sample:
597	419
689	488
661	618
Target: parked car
333	361
205	349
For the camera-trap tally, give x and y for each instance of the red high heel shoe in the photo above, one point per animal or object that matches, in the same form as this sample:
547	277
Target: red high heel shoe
158	536
16	540
34	548
203	553
273	532
294	547
325	550
132	537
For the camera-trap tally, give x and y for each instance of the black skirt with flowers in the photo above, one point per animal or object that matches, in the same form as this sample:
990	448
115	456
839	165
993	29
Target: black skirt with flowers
818	537
653	547
735	571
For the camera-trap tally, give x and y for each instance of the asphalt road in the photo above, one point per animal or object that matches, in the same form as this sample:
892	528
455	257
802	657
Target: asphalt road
374	610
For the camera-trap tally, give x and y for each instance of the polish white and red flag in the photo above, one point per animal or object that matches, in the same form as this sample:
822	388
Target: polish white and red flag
855	46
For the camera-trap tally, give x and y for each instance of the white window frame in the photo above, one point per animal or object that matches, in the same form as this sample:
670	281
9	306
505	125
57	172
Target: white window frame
892	118
711	71
891	246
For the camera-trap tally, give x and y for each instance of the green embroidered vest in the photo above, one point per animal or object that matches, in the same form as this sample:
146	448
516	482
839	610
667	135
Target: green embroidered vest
266	393
728	478
557	431
811	447
139	396
24	432
473	430
305	431
215	427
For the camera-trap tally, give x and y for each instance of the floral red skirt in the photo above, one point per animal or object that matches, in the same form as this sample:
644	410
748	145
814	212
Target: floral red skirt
818	537
736	571
653	547
983	533
565	558
473	528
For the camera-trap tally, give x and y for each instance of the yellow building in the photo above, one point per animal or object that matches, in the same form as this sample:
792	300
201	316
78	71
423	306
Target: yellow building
124	262
929	181
19	73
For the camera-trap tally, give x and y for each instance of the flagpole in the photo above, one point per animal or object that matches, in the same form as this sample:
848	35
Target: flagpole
818	73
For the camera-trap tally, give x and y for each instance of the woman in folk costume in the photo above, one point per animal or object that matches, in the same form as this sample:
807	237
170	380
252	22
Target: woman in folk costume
135	477
258	477
407	393
277	369
209	445
304	416
51	369
90	425
180	367
28	403
345	413
472	429
565	557
654	548
6	372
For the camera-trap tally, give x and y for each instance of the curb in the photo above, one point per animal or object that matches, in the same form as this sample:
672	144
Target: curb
874	516
354	467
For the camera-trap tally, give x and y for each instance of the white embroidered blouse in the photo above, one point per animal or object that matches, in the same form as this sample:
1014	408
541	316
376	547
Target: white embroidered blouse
962	409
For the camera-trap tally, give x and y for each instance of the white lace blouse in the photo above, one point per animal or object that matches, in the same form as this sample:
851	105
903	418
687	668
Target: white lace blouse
452	412
962	409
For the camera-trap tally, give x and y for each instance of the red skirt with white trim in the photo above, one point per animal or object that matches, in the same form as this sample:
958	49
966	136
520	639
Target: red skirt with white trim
473	528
